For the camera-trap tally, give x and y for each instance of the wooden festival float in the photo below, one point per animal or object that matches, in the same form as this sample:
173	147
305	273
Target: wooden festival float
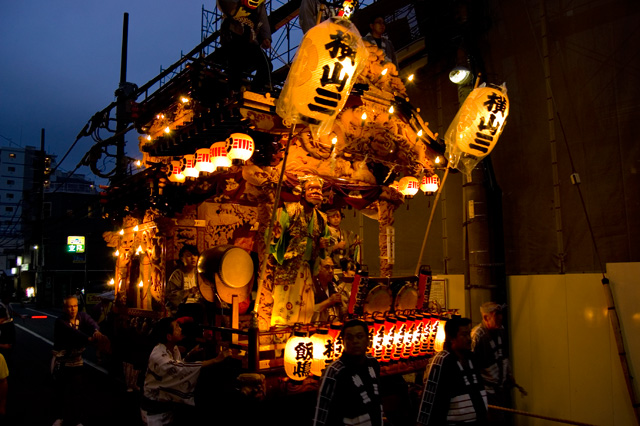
218	162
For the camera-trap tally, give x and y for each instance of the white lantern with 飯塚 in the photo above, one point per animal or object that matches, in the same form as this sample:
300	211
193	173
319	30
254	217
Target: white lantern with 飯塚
219	155
189	166
322	351
476	127
203	160
408	186
330	57
240	146
298	356
430	184
174	174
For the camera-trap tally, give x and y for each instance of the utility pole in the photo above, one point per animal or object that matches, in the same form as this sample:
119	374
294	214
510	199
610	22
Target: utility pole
122	97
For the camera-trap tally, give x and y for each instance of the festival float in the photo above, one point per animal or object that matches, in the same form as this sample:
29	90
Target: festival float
217	164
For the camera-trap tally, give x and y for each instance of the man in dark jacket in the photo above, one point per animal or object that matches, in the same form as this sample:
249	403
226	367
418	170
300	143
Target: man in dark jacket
245	32
350	390
72	332
454	393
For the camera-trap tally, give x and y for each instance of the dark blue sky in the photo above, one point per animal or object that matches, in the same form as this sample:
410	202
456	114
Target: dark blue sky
61	63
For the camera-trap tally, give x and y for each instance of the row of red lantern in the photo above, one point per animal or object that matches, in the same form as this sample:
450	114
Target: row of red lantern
238	146
409	185
391	337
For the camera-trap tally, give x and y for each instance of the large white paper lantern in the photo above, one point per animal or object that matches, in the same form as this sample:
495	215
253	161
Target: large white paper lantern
219	155
240	146
203	160
174	173
329	59
476	127
298	356
430	184
189	166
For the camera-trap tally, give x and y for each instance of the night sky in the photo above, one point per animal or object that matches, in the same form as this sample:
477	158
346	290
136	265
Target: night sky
61	63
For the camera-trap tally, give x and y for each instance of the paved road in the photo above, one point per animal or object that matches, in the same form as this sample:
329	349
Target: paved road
31	387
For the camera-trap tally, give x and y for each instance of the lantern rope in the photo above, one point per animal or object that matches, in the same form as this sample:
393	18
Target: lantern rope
433	209
263	266
538	416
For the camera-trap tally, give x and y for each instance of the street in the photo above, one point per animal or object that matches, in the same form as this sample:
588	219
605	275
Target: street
31	387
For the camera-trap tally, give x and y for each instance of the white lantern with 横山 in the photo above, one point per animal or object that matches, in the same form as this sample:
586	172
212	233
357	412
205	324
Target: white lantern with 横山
322	351
188	163
430	184
203	161
174	174
408	186
219	157
330	57
298	356
438	345
240	146
476	127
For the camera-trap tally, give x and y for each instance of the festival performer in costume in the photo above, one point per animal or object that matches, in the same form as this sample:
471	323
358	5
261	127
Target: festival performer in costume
300	237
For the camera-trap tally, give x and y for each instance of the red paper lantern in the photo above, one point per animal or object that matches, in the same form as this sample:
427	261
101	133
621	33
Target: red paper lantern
408	336
377	346
417	335
398	337
389	336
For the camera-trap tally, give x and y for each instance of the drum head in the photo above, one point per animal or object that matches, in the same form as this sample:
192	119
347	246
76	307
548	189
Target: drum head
379	299
236	268
407	297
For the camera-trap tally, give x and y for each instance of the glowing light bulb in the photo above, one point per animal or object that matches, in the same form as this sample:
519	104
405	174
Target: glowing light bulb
121	232
420	133
139	163
364	116
391	109
334	140
167	129
112	281
384	71
410	78
140	284
184	100
438	159
148	137
135	228
116	253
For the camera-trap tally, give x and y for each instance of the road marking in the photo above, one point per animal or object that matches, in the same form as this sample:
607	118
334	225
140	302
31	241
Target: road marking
34	333
86	361
43	313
